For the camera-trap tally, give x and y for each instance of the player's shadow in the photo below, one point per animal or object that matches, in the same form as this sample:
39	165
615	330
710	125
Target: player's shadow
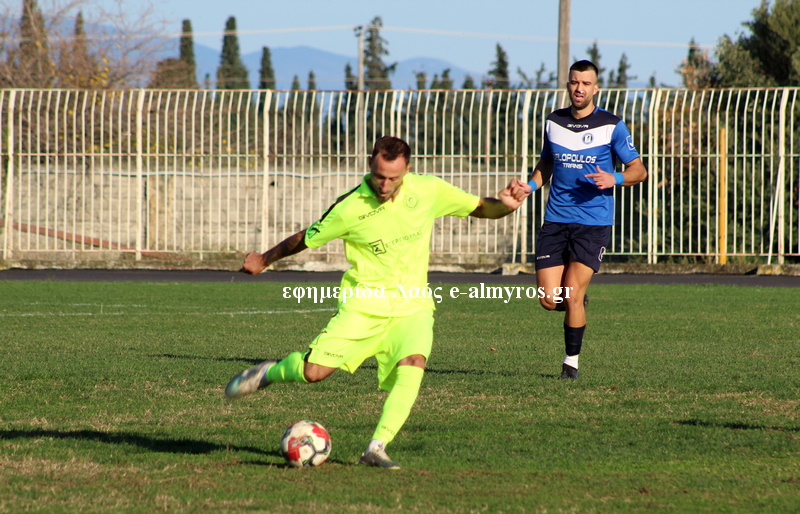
153	444
244	360
733	426
440	371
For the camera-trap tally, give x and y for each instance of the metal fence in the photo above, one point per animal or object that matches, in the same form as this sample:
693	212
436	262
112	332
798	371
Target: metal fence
90	175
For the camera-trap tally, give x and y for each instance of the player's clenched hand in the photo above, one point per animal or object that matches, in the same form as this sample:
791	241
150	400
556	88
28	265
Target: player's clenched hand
602	179
514	194
253	263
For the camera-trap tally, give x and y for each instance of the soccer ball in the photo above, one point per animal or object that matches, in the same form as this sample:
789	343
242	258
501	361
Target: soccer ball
306	444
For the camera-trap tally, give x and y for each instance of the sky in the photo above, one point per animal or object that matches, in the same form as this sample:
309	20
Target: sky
654	34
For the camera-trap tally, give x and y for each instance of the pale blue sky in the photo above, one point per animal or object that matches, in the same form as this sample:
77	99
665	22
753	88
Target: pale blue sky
653	33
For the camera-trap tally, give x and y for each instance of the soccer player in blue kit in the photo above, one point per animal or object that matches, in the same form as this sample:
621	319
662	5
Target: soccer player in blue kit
581	144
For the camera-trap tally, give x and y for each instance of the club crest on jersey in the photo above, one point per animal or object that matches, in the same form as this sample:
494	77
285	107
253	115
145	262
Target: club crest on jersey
411	201
378	247
588	138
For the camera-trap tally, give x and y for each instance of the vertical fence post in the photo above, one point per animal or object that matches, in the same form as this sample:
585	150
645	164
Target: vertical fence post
8	211
778	211
722	199
652	181
139	170
266	106
523	216
781	190
361	126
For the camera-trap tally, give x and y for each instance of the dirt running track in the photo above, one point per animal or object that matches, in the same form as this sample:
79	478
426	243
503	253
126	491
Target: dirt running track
88	275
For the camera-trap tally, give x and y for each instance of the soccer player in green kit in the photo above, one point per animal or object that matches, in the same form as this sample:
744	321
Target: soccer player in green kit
386	225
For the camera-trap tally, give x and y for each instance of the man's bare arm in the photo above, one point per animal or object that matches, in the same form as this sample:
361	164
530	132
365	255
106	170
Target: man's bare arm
542	173
255	263
509	199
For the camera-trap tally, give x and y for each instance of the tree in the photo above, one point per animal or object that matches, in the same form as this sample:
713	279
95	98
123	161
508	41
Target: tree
621	78
180	73
350	80
312	81
541	82
594	56
232	73
266	74
34	66
445	82
376	71
469	83
188	80
499	71
422	80
537	81
697	70
769	56
113	44
77	67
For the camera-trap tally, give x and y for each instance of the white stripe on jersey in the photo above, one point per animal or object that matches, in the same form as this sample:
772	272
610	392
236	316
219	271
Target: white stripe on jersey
576	141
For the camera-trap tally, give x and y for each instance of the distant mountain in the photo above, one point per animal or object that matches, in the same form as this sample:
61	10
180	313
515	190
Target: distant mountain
328	68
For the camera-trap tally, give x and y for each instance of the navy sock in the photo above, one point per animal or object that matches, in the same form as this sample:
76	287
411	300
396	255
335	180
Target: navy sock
573	339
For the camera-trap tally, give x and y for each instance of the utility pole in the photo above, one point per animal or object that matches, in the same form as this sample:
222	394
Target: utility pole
360	35
360	121
563	43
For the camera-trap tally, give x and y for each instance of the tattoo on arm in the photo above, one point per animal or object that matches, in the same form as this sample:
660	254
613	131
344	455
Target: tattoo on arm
289	246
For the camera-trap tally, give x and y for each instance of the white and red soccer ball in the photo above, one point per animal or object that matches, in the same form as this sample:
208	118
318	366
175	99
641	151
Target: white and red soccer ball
306	444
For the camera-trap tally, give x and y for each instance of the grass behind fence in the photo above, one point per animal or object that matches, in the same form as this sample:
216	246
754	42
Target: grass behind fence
111	398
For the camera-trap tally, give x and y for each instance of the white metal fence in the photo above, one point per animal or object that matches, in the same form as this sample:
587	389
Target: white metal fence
87	175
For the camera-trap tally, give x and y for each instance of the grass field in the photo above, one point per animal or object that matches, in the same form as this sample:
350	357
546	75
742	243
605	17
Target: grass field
111	399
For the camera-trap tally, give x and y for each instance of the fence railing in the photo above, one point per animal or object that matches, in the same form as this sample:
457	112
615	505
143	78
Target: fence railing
88	174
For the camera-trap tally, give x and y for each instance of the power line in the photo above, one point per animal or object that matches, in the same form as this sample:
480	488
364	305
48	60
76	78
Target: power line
435	32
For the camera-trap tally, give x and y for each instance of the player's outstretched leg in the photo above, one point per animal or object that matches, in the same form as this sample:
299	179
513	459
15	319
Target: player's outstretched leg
249	380
288	369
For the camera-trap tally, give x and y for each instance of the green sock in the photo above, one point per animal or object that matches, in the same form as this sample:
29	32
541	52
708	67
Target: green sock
289	369
399	402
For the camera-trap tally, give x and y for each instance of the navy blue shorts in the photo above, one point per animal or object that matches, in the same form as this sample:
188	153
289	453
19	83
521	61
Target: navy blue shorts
584	243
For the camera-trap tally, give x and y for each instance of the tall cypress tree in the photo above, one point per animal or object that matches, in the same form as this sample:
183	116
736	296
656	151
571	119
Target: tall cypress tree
621	78
350	80
266	74
232	73
188	68
34	67
594	56
376	72
422	80
697	69
180	73
499	71
77	67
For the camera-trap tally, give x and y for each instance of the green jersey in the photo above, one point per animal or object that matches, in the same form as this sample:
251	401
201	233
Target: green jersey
388	244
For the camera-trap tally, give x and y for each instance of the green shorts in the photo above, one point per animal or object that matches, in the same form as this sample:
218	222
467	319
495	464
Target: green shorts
352	337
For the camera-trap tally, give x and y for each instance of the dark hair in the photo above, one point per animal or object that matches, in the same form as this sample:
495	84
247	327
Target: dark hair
390	148
584	66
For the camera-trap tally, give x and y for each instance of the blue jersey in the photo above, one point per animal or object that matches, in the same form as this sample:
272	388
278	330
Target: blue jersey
576	147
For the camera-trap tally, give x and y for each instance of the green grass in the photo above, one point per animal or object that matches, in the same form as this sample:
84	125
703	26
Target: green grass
111	399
